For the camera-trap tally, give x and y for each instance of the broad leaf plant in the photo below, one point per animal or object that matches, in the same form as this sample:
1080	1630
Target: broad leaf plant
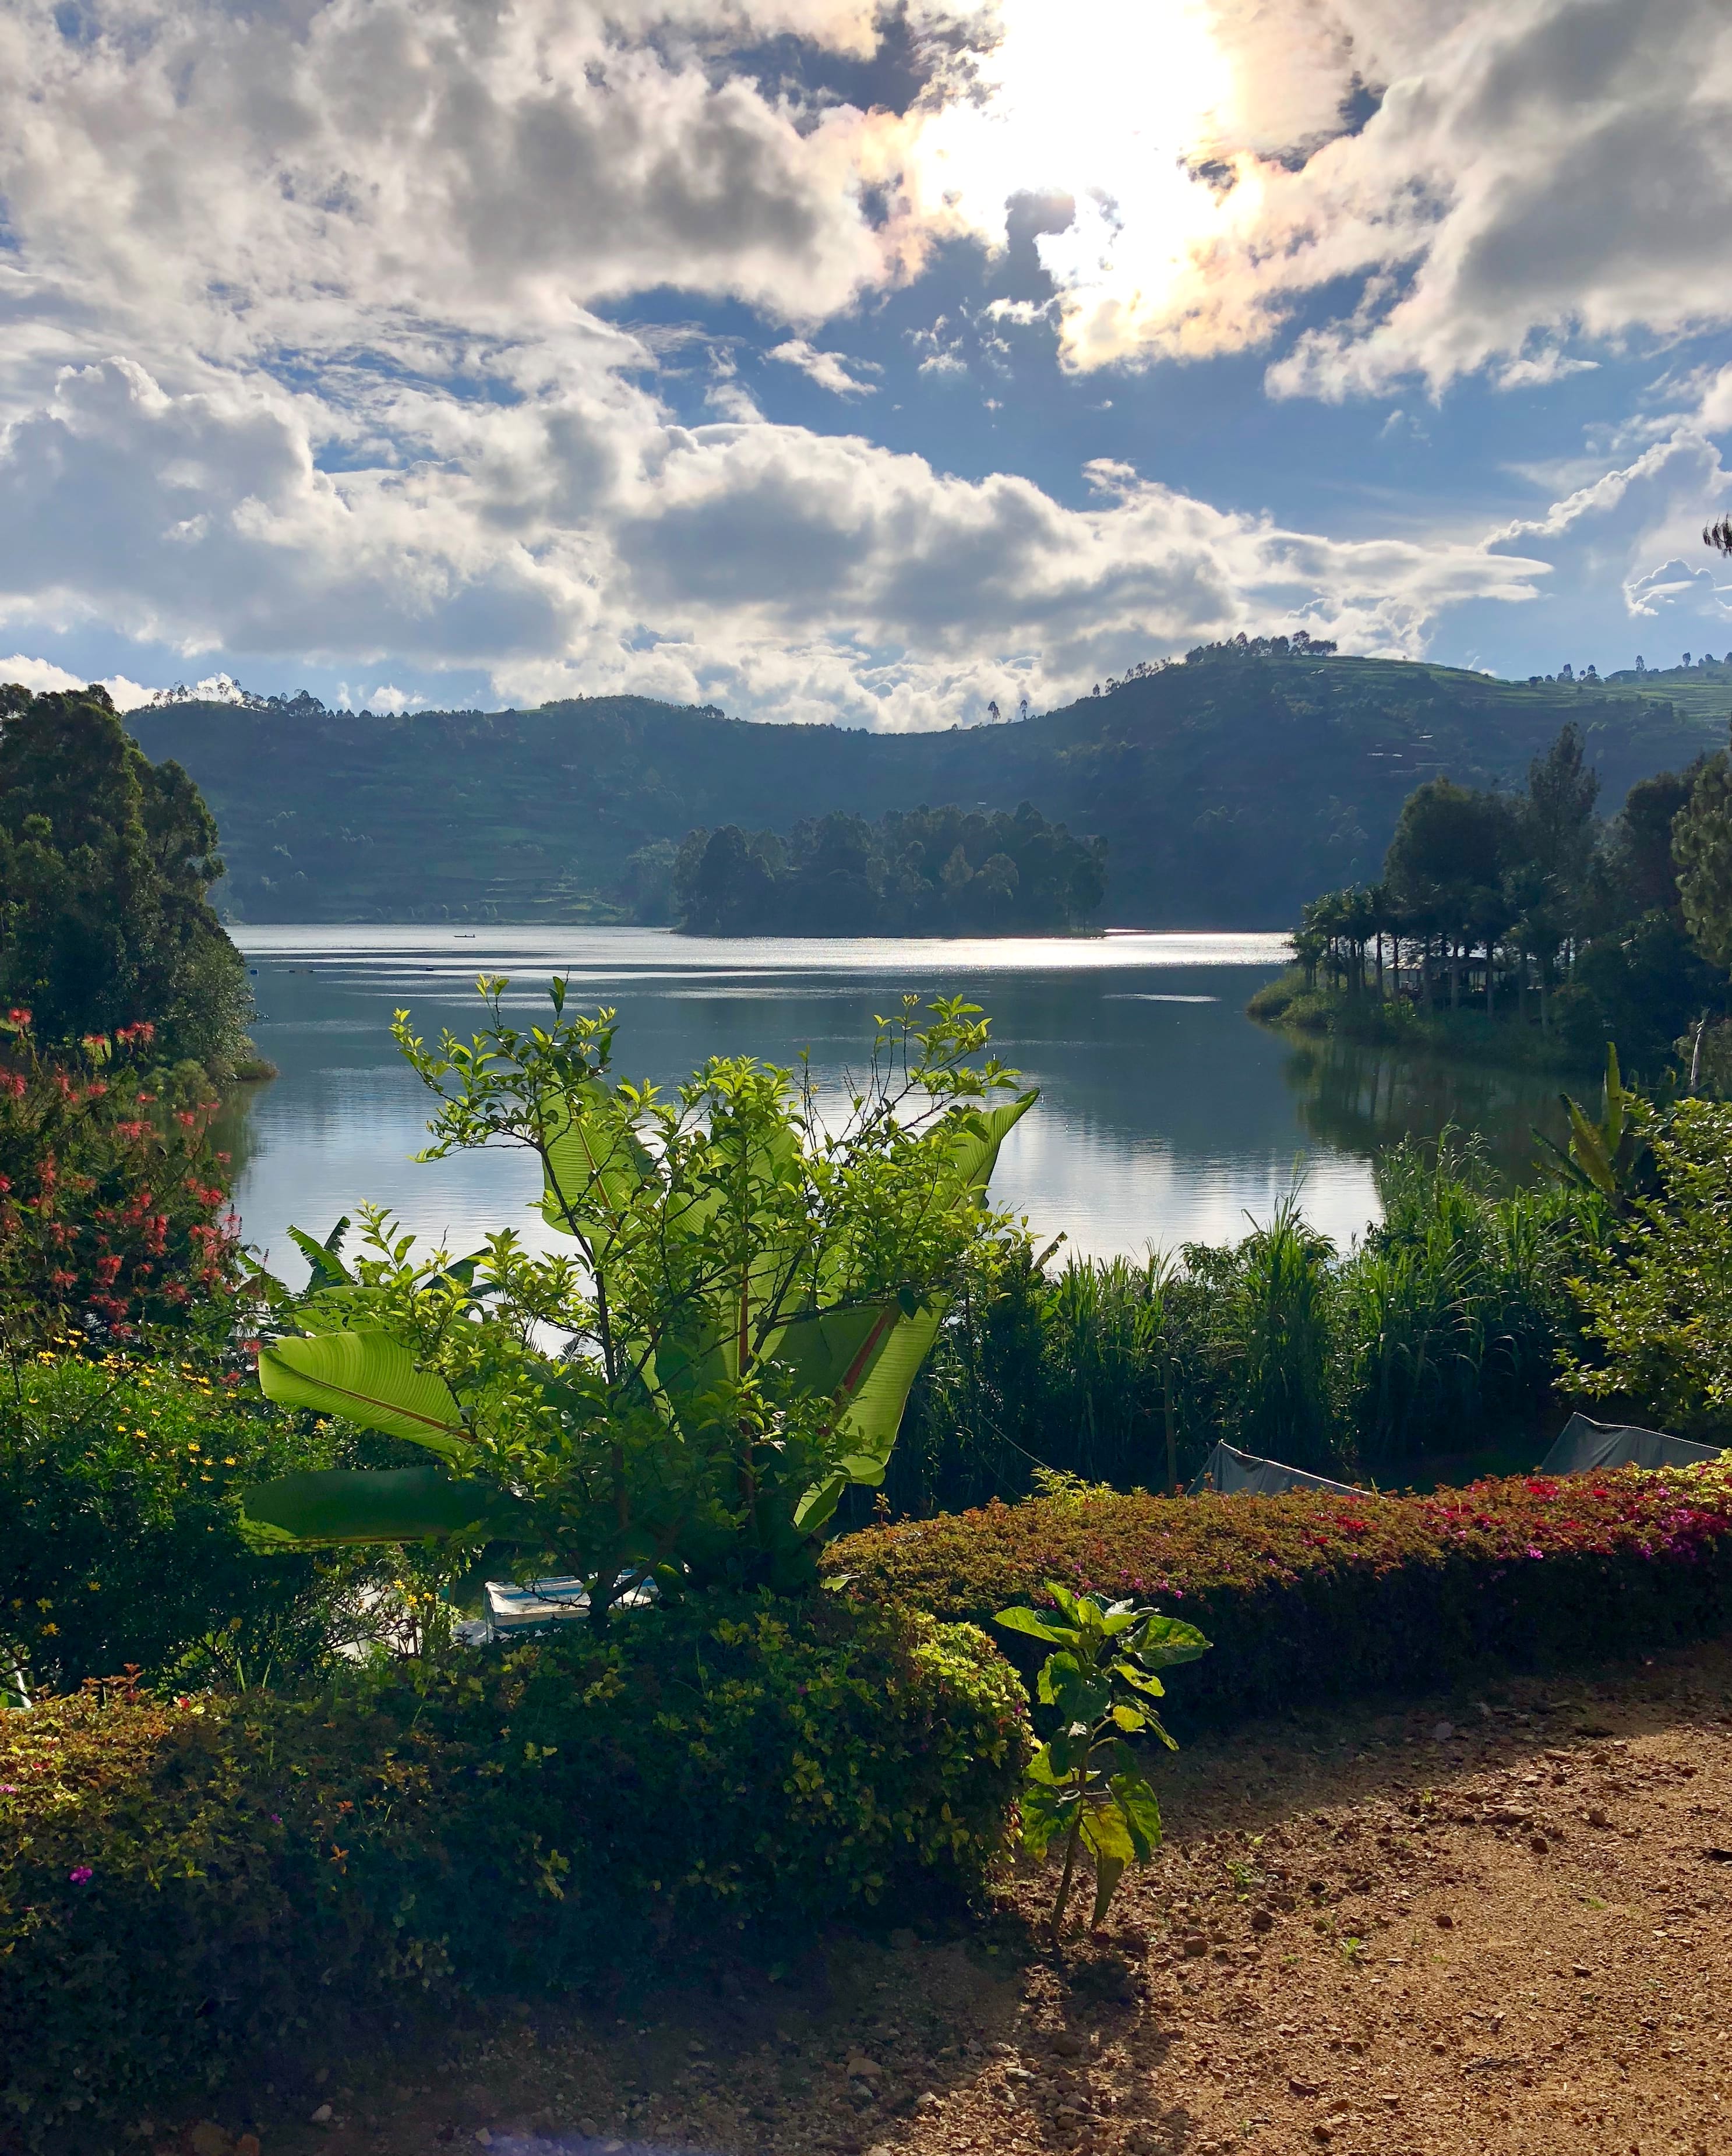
1087	1783
683	1393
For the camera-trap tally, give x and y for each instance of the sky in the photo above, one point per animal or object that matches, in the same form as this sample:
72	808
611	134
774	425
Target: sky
829	363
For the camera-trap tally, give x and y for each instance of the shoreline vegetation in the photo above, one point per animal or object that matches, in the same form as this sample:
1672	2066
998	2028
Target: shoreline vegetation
1520	928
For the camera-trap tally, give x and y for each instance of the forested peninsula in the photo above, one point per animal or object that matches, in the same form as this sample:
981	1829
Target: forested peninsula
1229	788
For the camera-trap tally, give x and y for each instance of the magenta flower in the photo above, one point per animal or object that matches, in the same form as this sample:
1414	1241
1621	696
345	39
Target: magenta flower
79	1873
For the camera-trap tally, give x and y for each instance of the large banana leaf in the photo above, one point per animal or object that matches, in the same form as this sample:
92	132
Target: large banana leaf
867	1359
370	1378
593	1166
390	1504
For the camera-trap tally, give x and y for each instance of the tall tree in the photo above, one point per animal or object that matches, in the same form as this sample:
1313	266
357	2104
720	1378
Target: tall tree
105	859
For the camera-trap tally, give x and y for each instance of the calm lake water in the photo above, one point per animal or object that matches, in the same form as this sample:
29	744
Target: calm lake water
1165	1116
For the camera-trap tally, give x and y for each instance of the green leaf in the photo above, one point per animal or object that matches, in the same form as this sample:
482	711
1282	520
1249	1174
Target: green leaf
1165	1640
1040	1767
1106	1832
1069	1605
1033	1623
1109	1871
1080	1695
393	1505
1059	1668
595	1164
1142	1813
328	1269
372	1380
1142	1681
1127	1717
1045	1809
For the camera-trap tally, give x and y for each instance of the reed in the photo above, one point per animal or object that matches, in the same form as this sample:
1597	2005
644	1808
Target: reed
1435	1335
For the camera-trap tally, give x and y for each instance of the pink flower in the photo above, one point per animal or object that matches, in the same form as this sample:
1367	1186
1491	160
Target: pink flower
79	1873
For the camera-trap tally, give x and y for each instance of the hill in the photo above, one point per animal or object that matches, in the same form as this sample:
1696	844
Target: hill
1229	789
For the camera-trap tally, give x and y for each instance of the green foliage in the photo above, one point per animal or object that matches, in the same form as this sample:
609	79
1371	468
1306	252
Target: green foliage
119	1482
1610	1157
114	1210
1086	1782
1437	1334
915	872
1315	1595
105	861
1491	896
753	1292
180	1885
1658	1314
1702	850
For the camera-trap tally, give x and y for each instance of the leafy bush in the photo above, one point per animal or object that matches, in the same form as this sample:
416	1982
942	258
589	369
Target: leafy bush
114	1210
180	1883
1318	1595
1658	1317
753	1287
119	1485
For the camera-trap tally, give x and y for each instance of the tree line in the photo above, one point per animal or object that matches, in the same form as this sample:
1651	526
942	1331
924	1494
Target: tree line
1529	907
913	872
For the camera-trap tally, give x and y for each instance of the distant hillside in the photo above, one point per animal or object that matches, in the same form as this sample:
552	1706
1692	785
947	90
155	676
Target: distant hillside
1228	789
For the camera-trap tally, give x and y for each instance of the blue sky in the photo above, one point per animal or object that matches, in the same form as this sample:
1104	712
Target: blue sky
828	362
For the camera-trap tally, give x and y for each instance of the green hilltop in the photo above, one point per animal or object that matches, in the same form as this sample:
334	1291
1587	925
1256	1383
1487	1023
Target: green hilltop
1228	788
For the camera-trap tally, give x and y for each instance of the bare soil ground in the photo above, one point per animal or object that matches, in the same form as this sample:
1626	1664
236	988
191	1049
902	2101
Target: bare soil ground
1486	1923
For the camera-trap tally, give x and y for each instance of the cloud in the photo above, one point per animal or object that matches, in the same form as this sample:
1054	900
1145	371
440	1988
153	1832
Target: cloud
800	574
1672	584
828	369
1493	178
308	357
42	677
276	177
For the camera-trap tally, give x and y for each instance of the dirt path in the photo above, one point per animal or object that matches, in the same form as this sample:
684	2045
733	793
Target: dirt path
1484	1924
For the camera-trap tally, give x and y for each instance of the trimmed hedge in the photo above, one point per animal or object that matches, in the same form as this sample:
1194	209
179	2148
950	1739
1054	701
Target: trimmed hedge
180	1883
1319	1595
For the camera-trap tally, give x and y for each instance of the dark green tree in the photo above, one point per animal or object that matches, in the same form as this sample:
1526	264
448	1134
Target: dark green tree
105	859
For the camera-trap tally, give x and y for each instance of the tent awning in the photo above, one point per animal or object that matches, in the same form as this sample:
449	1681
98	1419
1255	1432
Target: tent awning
1582	1446
1234	1473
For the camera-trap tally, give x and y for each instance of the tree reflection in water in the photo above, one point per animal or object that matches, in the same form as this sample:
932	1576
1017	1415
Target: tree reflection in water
1362	1098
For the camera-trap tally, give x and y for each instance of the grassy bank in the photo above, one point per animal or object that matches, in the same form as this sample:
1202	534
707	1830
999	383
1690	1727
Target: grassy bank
1382	1022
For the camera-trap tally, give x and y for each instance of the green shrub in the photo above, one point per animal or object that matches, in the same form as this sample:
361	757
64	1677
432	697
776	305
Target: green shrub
1315	1594
178	1884
1658	1317
118	1483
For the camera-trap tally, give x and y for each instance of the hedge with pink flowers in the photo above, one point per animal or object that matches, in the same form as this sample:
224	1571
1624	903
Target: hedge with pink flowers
1319	1595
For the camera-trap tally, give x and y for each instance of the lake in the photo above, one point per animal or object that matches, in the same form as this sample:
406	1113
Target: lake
1166	1116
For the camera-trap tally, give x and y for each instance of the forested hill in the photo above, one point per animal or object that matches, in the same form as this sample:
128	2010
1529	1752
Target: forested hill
1228	789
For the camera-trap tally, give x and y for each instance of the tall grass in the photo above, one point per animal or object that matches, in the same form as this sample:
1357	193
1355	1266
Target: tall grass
1435	1335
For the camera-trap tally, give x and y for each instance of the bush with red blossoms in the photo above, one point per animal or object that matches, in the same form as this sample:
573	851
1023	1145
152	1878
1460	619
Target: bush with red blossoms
114	1204
1316	1594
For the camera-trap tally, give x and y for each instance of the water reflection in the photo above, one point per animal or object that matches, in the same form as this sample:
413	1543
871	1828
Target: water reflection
1166	1116
1361	1099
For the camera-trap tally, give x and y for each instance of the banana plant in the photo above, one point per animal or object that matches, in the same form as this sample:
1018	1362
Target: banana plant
750	1291
1613	1156
1086	1782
